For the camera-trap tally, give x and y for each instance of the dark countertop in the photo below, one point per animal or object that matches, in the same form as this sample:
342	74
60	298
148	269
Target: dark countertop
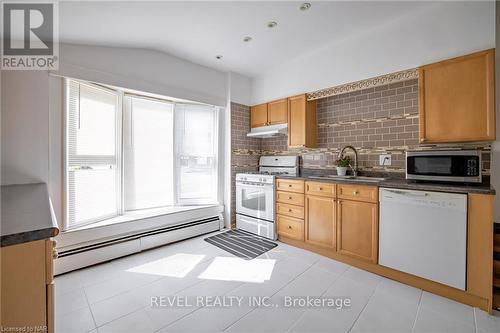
27	214
396	181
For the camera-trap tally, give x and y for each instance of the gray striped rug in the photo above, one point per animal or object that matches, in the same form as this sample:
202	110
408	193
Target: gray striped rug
241	244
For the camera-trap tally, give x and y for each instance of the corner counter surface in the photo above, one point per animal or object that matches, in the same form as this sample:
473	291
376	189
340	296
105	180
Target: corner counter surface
26	214
396	181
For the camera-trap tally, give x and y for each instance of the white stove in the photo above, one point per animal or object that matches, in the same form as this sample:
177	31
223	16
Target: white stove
255	211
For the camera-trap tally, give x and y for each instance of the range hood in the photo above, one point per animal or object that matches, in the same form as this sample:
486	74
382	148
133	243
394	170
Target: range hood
268	131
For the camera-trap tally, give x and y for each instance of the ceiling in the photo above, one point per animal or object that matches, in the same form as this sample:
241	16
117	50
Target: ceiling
198	31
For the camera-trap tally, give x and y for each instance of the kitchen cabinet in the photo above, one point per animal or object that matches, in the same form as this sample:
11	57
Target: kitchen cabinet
27	290
320	221
457	99
290	185
358	192
290	198
302	125
277	112
290	208
272	113
258	115
290	227
357	229
320	214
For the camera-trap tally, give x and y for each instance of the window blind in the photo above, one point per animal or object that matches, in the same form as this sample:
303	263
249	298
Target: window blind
196	153
148	139
92	153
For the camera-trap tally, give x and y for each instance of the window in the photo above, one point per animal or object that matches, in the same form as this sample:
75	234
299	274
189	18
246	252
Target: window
92	153
148	142
196	152
128	152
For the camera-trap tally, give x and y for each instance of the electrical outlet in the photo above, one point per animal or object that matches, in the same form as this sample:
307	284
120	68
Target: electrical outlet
385	159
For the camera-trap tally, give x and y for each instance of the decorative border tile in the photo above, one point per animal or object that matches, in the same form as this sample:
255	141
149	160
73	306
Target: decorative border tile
364	84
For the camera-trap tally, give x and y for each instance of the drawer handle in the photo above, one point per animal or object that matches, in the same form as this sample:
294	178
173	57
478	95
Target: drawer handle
321	189
355	192
289	209
289	185
289	227
289	198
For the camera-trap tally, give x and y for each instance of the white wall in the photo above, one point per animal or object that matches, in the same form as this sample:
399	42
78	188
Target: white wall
434	33
144	70
25	131
240	89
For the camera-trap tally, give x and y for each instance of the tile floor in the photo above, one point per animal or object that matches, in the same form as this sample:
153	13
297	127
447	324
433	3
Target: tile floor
116	296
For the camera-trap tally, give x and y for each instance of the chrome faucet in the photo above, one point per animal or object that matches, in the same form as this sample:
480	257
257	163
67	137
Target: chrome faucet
355	168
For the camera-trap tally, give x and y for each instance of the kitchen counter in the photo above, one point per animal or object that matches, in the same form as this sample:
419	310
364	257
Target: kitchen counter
27	214
396	181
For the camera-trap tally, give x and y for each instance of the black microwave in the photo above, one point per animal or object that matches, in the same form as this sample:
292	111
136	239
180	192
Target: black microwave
444	165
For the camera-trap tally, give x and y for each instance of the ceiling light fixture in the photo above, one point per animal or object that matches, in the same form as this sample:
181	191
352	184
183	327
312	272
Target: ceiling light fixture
272	24
218	57
305	6
247	39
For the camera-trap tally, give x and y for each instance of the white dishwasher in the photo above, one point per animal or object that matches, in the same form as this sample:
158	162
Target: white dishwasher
424	234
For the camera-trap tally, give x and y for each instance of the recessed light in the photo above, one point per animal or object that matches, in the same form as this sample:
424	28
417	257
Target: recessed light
305	6
218	57
247	39
272	24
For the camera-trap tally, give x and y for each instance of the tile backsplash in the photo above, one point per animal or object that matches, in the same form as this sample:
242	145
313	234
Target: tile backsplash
378	120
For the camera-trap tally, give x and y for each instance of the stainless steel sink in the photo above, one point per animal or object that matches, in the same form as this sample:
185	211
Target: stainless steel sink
351	178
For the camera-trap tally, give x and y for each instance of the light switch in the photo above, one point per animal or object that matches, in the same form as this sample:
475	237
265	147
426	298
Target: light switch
385	159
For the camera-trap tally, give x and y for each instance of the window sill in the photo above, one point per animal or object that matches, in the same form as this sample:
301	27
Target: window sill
135	215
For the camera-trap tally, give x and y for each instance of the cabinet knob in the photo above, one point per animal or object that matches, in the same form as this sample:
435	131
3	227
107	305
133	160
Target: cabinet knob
355	192
289	209
321	189
289	198
289	227
289	185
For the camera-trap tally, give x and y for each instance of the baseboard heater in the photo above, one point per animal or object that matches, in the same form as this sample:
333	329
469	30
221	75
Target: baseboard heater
87	255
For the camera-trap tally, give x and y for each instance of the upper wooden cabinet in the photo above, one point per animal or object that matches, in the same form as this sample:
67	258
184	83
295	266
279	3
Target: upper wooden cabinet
457	99
258	115
277	112
301	122
269	113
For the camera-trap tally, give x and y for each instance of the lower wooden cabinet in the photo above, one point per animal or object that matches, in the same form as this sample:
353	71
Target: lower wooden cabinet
357	229
290	227
320	221
27	288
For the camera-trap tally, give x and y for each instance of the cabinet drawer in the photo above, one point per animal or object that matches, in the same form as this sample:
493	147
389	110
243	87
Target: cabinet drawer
290	227
290	210
290	198
321	189
290	185
358	192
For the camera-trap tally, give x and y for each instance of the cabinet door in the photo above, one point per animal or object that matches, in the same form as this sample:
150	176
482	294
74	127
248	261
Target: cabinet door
357	229
258	115
320	221
23	287
457	99
297	121
277	112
